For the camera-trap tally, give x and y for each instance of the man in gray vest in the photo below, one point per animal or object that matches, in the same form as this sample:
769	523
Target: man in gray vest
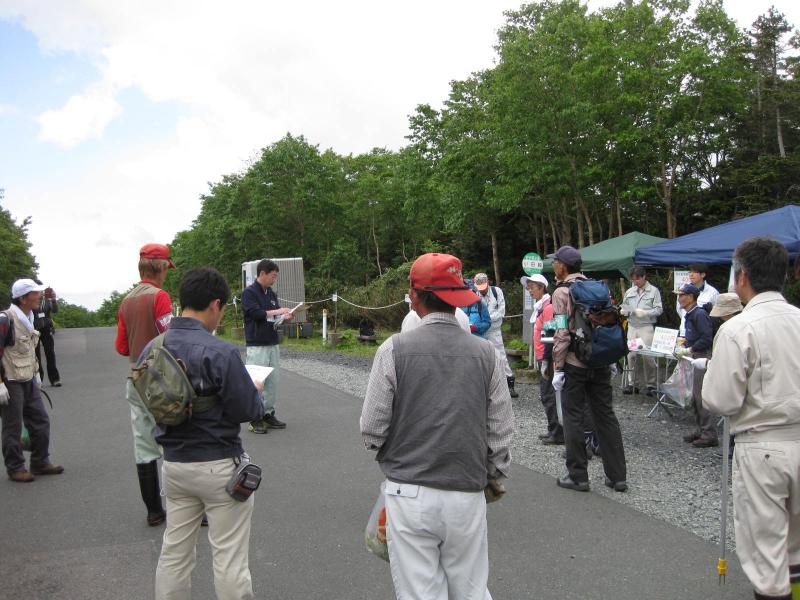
438	412
20	387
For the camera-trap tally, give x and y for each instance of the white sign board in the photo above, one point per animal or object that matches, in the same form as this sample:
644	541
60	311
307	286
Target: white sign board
532	263
679	279
664	340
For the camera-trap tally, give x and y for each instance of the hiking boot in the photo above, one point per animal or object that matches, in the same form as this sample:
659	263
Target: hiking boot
565	481
553	440
544	436
691	437
706	441
651	392
21	476
617	486
258	427
204	521
56	384
272	422
48	469
154	519
511	390
628	390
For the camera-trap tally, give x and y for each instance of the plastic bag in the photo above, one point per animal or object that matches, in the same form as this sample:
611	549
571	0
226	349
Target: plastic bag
375	531
678	387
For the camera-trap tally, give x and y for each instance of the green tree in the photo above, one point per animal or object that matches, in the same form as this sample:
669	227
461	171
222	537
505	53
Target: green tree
16	260
73	315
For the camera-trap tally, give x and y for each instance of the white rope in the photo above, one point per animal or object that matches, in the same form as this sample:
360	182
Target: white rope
513	316
295	302
370	307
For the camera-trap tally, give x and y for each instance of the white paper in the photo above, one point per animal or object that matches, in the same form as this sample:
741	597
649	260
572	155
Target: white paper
258	373
664	340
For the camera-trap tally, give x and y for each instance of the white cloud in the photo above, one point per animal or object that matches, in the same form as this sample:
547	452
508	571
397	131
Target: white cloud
8	109
83	117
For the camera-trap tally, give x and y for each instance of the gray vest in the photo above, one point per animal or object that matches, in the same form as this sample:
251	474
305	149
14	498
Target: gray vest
438	432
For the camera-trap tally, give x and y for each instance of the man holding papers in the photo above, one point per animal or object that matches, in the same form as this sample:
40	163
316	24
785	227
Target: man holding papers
261	314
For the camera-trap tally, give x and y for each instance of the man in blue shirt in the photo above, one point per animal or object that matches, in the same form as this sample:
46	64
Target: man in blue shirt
698	341
202	453
261	313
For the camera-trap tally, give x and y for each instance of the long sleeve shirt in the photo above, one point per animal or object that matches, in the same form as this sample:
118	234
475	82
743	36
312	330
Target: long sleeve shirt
699	330
562	305
708	295
214	368
495	303
647	299
754	376
376	414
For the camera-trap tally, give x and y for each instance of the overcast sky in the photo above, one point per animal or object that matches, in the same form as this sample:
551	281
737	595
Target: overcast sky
114	116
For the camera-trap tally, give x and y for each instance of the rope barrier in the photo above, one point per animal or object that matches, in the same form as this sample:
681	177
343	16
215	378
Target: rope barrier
295	302
370	307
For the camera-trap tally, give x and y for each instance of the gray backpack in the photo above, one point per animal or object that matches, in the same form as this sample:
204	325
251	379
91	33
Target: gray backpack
161	381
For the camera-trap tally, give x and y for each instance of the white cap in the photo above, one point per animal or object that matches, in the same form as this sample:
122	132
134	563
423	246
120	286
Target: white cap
537	278
25	286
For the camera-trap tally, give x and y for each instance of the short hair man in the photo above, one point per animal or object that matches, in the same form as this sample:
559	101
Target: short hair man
261	313
20	394
698	340
439	414
43	322
754	379
642	305
143	314
582	385
536	285
495	302
706	297
202	453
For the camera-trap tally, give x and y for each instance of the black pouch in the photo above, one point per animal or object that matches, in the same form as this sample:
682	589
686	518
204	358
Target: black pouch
244	482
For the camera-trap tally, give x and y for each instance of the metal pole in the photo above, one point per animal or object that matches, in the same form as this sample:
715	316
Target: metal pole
722	563
324	325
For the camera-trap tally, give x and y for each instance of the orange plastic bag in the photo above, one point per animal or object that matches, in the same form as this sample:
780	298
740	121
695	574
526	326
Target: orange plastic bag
375	531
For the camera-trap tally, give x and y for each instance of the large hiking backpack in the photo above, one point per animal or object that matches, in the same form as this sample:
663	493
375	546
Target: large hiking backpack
162	384
599	339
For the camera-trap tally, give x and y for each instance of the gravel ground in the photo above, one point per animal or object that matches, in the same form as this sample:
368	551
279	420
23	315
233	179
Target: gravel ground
668	479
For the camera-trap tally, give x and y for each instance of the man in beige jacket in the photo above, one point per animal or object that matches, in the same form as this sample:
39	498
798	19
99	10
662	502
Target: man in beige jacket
754	378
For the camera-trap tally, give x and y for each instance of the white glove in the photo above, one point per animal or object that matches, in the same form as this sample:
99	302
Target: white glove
38	380
4	397
701	364
543	368
624	312
640	312
558	380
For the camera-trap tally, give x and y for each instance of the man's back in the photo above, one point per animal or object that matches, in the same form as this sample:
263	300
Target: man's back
440	407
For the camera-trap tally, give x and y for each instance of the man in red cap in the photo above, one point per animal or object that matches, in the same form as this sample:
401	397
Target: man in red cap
438	412
145	313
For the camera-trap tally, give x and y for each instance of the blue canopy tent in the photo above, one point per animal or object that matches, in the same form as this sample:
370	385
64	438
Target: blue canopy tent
715	245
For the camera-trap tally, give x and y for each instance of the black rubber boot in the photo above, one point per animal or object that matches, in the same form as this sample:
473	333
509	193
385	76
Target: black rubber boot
151	492
511	389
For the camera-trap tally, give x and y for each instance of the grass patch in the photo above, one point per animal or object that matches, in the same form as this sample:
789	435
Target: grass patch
348	344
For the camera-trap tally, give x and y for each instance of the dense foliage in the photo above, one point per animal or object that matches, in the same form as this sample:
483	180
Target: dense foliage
644	116
16	260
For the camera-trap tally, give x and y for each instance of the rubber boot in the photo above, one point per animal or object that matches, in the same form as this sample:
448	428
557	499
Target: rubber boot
151	492
511	389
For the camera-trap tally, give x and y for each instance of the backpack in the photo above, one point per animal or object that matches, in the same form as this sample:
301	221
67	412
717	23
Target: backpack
162	384
599	339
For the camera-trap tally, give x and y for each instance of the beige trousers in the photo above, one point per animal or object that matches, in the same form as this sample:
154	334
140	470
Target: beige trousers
644	366
193	489
766	501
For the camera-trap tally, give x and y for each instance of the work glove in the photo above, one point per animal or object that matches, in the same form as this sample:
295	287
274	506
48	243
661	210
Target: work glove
494	490
4	396
640	312
624	312
558	380
543	368
473	328
701	364
37	380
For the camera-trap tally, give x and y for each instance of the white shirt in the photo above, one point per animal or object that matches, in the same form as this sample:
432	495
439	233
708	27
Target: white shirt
496	306
412	321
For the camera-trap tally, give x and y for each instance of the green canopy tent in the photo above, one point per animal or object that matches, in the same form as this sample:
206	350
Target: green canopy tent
611	258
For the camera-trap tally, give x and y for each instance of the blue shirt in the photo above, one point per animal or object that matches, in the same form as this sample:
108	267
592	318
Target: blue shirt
214	367
699	330
478	315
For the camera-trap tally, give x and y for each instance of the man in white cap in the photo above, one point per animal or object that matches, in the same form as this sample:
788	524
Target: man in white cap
20	395
439	416
543	352
492	296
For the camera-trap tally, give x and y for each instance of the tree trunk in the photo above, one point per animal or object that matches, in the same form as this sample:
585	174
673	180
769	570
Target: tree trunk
619	213
377	249
781	150
578	221
495	258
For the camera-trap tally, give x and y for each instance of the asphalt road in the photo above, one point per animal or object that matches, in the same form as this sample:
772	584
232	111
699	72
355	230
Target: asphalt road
82	535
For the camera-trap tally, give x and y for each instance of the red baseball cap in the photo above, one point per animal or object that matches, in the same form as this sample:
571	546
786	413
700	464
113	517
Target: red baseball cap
441	274
156	251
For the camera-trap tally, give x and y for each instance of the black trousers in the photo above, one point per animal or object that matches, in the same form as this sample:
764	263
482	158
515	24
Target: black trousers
24	407
548	397
46	340
591	388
